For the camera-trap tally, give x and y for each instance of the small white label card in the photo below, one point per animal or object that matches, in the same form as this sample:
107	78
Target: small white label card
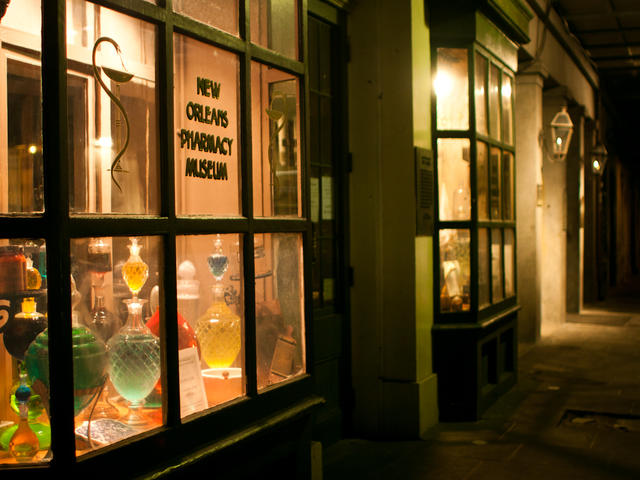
192	395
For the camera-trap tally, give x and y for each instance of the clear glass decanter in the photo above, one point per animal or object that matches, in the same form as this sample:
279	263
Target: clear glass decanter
219	329
134	352
103	322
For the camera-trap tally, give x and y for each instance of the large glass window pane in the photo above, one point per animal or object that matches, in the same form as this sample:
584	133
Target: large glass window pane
507	186
481	94
25	432
482	185
509	263
279	307
495	180
507	111
210	320
207	123
274	25
484	277
222	14
496	265
451	84
275	122
454	194
494	102
455	271
21	167
113	119
115	285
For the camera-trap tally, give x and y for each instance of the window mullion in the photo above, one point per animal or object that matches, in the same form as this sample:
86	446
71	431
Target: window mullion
170	381
56	168
250	345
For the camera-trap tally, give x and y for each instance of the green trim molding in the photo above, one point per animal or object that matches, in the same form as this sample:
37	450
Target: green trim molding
512	16
455	20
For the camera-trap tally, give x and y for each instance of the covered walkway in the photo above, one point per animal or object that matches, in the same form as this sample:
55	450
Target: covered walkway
574	413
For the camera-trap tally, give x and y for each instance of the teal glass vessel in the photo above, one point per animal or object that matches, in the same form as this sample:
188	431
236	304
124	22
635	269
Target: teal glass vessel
134	361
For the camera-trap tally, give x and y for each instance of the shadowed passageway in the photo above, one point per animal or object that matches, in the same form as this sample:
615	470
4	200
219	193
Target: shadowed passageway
574	413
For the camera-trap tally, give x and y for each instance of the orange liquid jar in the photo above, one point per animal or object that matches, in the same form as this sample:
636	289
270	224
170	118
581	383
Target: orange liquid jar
13	269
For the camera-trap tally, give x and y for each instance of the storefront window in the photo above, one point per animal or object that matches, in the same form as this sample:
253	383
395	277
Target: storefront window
494	102
453	179
451	85
274	25
481	94
112	106
507	109
497	293
131	209
279	308
509	263
25	432
115	285
507	186
455	271
495	181
210	320
21	165
207	146
275	110
484	278
482	181
222	14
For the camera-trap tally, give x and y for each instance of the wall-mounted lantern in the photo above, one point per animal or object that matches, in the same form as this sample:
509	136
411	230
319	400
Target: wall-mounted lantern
561	132
599	157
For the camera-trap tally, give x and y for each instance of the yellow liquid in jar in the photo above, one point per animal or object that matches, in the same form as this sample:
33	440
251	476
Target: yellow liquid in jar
218	332
34	280
135	275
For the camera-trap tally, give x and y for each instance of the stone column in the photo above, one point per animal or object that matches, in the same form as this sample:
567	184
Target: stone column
554	227
529	199
395	391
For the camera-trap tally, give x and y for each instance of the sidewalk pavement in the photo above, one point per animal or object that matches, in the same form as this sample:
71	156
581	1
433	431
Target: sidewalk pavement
574	414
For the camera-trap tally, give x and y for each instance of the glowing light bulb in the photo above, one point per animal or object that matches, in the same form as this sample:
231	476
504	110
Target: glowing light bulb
506	90
33	149
443	84
558	141
104	142
596	165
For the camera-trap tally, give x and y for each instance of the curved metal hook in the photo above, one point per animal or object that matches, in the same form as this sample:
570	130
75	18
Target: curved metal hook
118	77
275	116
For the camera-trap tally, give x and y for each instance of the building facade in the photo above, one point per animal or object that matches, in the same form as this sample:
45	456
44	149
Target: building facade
283	222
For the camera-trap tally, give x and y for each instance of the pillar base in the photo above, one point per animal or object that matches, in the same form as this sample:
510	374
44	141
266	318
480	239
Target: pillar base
409	409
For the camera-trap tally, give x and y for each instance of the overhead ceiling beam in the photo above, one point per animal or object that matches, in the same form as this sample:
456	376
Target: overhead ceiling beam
621	69
599	15
605	30
602	46
615	58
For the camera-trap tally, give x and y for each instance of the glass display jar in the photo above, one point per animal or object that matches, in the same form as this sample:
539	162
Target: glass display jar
13	266
219	329
24	328
134	362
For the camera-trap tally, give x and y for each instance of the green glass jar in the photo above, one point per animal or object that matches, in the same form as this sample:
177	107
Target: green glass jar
89	364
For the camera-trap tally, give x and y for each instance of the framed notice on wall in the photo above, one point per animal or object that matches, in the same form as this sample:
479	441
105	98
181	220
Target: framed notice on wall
424	191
